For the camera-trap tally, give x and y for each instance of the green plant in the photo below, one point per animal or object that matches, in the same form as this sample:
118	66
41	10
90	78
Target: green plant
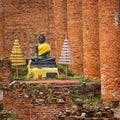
35	91
37	86
62	77
74	97
83	98
110	104
62	69
92	100
83	78
48	98
47	87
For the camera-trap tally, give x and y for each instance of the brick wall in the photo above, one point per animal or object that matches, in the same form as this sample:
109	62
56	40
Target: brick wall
25	20
93	34
91	39
5	72
109	50
51	27
60	17
41	102
74	27
1	28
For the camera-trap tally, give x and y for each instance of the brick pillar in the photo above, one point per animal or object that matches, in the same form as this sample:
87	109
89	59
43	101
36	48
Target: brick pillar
51	28
5	71
74	26
109	49
91	39
1	29
60	24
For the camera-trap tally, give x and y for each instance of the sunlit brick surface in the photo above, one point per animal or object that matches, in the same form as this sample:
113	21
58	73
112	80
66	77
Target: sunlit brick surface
60	16
92	28
109	50
26	21
91	39
74	26
1	29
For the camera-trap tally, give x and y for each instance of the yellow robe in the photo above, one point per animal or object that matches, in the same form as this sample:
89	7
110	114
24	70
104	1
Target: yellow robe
43	48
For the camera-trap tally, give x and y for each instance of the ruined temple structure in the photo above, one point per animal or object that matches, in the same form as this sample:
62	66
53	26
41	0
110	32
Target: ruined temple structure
91	26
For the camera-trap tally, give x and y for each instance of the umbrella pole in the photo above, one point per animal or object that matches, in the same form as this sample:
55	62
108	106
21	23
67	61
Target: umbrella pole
17	71
66	70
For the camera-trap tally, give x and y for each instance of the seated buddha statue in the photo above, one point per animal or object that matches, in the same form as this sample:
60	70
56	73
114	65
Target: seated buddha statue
42	54
42	49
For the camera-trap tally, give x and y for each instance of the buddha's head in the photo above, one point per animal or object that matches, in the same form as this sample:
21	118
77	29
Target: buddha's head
41	38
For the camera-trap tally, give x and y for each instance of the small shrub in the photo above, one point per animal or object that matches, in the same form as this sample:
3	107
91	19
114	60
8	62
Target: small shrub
48	98
38	86
64	70
62	77
74	97
110	104
92	100
35	91
47	87
83	78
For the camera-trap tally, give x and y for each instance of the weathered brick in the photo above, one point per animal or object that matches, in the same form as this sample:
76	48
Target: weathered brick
27	104
5	71
109	50
1	29
74	25
60	13
81	21
25	21
91	39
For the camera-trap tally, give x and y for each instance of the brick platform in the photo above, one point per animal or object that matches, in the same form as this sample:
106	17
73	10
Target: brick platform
41	100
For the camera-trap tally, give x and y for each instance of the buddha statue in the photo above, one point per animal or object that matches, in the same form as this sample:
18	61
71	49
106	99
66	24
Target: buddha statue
42	49
42	56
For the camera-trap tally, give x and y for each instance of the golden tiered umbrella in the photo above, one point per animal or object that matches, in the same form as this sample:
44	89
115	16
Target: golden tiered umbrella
16	56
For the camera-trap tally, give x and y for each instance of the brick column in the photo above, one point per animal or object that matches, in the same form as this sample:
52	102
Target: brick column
109	49
51	27
74	26
1	29
5	71
60	24
91	39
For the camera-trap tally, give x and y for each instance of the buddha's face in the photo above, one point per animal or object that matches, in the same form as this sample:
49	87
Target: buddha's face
42	39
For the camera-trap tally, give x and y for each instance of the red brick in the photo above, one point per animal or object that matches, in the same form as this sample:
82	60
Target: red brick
1	29
91	39
60	13
74	25
5	71
109	50
81	20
